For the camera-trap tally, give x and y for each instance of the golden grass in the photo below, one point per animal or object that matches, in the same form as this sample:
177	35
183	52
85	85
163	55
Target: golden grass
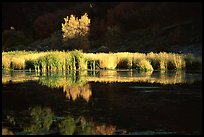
6	62
145	65
73	60
165	61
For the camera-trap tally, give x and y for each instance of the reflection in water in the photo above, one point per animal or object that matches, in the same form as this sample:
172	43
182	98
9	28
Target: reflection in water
111	108
105	130
55	80
67	126
18	76
43	121
72	87
75	85
147	77
80	126
73	92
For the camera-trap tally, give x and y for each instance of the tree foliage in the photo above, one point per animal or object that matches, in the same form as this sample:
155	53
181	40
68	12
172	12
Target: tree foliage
74	27
75	32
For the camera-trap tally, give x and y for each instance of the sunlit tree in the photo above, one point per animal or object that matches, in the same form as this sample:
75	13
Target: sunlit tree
75	32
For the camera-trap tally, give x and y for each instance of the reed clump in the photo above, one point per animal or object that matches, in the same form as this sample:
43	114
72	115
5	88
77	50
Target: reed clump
101	60
144	65
166	61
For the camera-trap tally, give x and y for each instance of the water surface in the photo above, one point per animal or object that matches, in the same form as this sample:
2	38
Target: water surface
102	102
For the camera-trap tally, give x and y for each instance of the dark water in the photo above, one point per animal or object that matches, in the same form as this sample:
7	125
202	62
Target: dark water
102	102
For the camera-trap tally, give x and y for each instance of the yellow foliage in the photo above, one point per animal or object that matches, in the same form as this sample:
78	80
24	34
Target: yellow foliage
74	27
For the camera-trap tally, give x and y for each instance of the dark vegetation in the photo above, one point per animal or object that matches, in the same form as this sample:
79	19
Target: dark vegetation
115	26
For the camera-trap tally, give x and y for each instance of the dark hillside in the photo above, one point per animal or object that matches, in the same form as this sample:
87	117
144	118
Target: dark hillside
115	26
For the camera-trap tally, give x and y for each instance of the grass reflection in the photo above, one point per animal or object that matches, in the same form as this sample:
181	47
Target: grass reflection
74	92
67	126
161	77
18	77
73	79
73	85
42	120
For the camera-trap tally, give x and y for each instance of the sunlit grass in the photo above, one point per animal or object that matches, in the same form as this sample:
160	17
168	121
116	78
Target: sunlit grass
166	61
77	60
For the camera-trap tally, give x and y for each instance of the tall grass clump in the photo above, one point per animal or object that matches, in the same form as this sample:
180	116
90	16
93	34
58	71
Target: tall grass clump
17	63
137	57
20	59
159	61
124	60
101	60
6	61
50	62
78	60
155	61
166	61
176	62
144	65
107	62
